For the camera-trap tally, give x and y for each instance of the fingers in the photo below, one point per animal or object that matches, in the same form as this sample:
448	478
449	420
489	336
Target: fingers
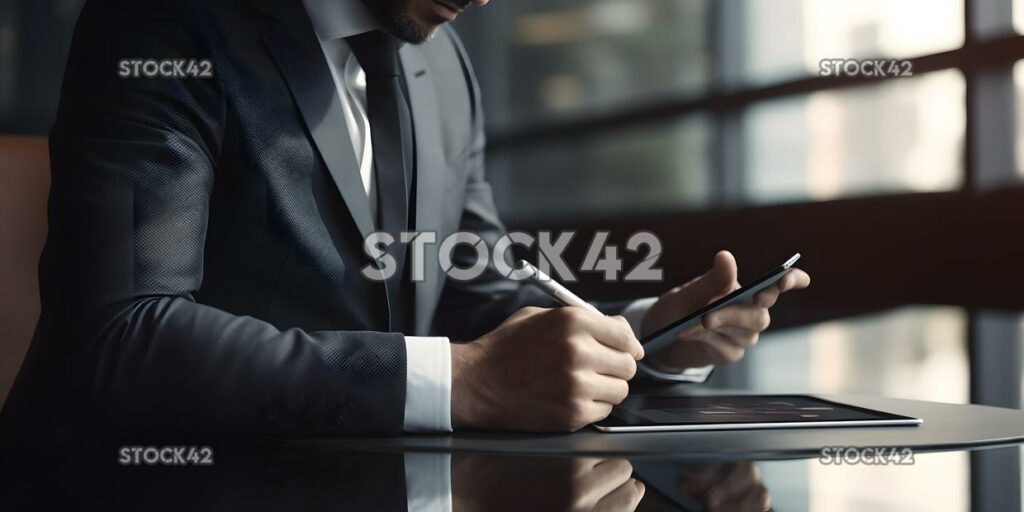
608	361
739	478
756	499
746	317
525	312
741	490
706	347
720	349
627	497
614	332
584	411
720	280
739	337
768	297
795	279
729	487
697	480
605	477
607	389
597	411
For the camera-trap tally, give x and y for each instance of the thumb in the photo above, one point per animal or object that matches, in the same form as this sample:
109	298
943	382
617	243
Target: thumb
720	280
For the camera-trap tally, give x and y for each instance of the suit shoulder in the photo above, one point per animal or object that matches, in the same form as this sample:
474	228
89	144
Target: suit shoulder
164	6
453	42
446	52
450	37
455	87
184	13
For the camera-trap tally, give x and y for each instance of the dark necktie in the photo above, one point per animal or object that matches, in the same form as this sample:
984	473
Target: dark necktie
391	133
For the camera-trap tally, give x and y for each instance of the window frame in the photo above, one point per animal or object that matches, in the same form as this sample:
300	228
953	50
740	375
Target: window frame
990	49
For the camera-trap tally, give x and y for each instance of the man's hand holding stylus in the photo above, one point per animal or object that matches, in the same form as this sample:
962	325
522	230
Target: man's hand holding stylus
724	335
564	368
544	370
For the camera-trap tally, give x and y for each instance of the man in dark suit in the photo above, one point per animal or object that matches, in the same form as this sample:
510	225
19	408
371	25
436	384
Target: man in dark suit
204	269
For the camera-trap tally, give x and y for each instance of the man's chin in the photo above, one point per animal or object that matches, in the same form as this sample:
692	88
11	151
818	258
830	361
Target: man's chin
414	33
403	25
429	34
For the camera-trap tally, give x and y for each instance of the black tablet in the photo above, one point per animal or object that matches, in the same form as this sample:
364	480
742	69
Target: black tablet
654	414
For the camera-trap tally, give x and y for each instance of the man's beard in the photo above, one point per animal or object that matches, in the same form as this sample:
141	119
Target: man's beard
394	18
404	28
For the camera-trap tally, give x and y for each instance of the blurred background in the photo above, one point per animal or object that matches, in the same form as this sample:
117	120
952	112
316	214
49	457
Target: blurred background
707	123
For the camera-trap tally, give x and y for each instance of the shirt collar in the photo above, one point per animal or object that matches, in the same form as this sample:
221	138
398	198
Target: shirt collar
335	19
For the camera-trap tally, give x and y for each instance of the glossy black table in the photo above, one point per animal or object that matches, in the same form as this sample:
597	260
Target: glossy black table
963	458
946	427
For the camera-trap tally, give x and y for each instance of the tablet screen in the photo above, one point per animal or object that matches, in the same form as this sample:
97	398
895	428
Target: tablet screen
738	410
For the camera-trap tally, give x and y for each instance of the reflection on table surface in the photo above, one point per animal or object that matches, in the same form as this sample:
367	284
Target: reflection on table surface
270	476
929	362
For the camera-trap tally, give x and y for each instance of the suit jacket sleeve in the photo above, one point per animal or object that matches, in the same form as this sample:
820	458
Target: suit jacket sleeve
134	164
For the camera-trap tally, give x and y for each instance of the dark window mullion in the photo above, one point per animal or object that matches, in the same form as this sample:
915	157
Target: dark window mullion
994	339
727	145
991	126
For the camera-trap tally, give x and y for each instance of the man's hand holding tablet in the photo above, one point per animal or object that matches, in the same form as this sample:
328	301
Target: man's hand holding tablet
723	335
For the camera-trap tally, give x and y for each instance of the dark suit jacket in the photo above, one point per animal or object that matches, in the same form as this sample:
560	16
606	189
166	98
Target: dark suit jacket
202	270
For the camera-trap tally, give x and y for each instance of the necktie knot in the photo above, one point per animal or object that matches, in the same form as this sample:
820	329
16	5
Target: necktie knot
377	53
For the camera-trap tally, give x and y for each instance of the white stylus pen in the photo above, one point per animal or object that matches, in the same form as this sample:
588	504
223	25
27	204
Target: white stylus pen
524	271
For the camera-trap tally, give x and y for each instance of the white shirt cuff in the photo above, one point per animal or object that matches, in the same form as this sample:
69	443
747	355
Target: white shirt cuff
698	375
634	314
428	384
428	482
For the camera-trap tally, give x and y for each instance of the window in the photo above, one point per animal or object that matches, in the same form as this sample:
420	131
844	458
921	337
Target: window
543	59
662	107
1018	16
900	135
646	169
929	361
602	72
788	38
1018	79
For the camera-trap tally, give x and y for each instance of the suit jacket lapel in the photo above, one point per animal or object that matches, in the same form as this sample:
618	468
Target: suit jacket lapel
299	57
431	171
293	45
